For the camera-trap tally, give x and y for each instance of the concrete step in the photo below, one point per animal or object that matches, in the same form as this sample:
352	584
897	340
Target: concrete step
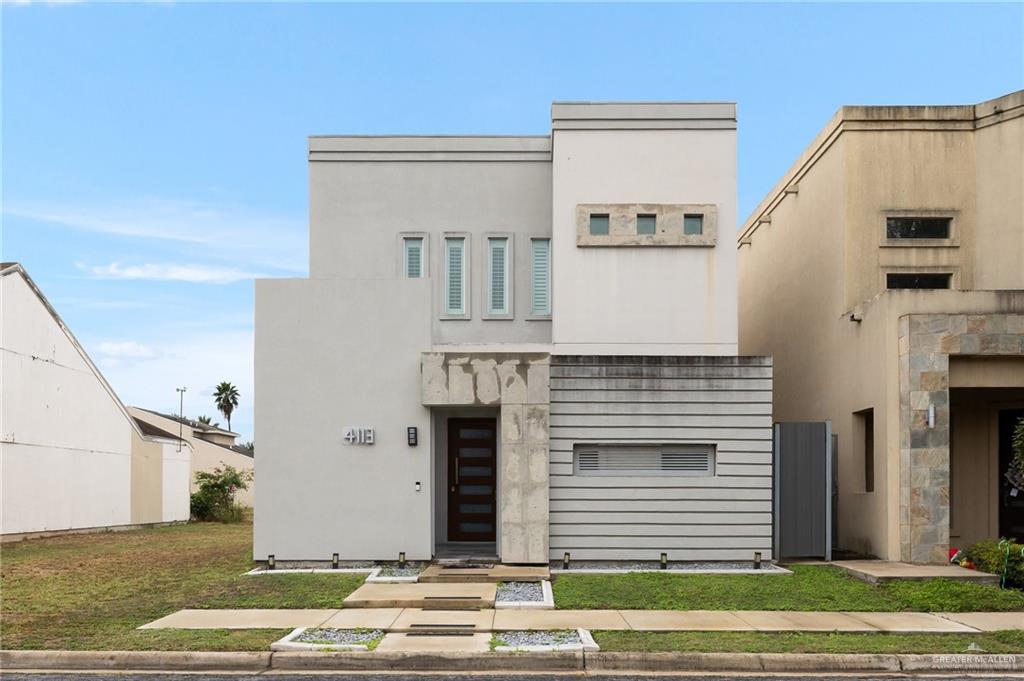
424	596
463	574
438	621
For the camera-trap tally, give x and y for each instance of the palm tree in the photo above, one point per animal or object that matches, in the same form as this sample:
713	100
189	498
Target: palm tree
207	421
225	396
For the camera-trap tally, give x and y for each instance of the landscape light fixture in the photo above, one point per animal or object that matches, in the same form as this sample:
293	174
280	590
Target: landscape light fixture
757	560
664	561
401	560
565	561
334	561
271	563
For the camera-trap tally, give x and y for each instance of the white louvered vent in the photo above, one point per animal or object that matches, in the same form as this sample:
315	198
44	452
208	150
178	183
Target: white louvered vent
625	460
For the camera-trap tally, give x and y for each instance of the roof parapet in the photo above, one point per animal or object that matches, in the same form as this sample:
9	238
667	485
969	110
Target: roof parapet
354	148
643	115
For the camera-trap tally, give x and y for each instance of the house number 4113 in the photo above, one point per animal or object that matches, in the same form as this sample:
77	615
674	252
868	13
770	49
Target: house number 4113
358	436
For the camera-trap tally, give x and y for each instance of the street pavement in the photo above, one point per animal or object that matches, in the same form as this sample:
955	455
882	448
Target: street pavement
77	676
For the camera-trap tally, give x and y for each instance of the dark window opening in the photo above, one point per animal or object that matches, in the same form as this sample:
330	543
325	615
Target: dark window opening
865	425
918	280
917	228
646	224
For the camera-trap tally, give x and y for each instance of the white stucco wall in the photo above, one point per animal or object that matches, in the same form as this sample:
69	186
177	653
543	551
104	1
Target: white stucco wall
644	300
65	443
175	482
332	353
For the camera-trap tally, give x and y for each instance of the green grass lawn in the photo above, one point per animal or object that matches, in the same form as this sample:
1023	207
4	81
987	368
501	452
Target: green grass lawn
752	642
85	592
811	587
90	592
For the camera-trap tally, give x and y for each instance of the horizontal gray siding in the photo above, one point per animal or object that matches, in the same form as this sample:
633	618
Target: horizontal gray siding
725	401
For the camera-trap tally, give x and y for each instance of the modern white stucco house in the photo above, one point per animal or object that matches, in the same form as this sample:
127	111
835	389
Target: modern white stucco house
518	347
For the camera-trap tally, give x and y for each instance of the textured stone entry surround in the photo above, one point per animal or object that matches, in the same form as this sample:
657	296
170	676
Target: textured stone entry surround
519	384
925	343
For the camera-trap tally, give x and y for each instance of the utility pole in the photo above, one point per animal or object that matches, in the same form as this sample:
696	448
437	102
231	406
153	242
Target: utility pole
181	412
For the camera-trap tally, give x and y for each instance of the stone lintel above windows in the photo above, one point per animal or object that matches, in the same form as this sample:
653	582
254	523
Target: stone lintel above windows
669	219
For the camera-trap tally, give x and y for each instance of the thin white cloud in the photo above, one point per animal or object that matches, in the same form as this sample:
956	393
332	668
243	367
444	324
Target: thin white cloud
198	361
229	233
196	274
127	350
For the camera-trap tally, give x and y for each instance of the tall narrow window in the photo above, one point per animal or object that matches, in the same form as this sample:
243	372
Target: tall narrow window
455	276
497	276
413	257
541	301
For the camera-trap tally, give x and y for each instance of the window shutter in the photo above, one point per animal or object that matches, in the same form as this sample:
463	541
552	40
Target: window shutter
498	294
455	295
541	304
413	258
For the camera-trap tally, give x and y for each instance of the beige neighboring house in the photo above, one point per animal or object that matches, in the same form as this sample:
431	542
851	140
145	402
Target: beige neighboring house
885	274
211	446
71	456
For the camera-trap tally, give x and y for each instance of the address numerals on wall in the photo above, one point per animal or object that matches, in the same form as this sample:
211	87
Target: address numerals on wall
358	436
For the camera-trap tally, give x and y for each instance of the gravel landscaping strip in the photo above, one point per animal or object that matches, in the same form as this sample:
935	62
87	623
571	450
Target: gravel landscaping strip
388	571
696	566
339	636
517	639
520	592
322	564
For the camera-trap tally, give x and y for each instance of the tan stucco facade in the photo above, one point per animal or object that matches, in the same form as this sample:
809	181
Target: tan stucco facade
813	259
203	454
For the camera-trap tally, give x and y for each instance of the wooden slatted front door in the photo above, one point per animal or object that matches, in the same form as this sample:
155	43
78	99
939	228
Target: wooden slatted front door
472	479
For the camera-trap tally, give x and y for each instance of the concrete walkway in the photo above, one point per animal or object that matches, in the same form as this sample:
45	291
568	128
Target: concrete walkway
881	571
412	619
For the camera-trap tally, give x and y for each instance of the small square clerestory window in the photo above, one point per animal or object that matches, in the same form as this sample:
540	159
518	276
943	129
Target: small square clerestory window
693	223
599	223
646	224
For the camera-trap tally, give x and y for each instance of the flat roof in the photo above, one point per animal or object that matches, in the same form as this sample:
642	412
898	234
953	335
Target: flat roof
860	117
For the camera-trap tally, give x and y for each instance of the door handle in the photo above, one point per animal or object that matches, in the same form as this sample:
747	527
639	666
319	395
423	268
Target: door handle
456	470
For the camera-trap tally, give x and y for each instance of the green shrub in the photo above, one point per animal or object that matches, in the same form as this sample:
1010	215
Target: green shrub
215	498
989	556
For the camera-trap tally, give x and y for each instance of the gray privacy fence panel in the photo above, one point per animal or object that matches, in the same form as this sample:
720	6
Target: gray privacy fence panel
803	490
721	402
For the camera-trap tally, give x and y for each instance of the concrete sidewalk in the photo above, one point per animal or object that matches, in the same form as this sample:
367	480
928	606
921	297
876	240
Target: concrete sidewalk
404	619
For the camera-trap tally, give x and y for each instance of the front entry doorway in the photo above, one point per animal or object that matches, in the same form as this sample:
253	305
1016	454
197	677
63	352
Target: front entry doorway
472	479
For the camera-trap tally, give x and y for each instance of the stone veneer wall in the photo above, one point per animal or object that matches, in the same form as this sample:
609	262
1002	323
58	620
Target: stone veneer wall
925	343
519	383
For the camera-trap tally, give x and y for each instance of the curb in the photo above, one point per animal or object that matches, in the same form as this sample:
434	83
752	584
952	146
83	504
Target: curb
452	662
62	660
132	660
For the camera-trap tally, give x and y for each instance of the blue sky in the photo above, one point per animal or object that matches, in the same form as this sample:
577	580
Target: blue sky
154	155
